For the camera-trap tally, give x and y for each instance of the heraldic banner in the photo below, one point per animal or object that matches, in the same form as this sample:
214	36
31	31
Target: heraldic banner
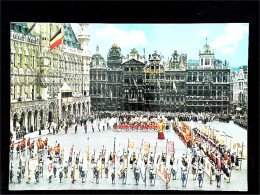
162	173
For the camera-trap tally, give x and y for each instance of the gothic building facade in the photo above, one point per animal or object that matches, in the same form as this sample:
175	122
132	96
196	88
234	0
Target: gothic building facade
47	85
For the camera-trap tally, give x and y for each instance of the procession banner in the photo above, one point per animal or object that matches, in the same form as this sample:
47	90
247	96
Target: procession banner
130	144
187	136
243	150
170	147
50	169
33	163
162	172
229	143
233	146
145	147
207	168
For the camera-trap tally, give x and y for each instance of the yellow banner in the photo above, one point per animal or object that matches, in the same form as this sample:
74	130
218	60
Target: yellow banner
130	144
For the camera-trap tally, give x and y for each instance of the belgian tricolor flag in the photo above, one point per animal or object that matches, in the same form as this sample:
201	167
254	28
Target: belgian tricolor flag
56	40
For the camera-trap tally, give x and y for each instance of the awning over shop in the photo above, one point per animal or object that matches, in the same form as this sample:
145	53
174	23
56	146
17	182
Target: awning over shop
238	109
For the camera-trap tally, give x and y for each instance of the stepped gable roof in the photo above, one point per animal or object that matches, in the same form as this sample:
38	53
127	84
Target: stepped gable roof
70	38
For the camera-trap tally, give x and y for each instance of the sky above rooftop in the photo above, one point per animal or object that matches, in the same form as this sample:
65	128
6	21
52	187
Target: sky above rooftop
228	40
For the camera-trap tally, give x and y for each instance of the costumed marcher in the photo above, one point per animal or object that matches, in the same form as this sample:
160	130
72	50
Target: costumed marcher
200	177
113	176
61	174
73	174
161	130
106	170
66	169
37	174
137	176
19	176
11	174
194	170
151	177
218	177
184	176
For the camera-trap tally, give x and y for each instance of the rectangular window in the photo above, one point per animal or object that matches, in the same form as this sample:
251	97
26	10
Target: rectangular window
207	62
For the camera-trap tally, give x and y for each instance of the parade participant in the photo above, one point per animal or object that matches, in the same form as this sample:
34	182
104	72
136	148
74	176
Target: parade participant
86	128
194	170
123	175
160	130
73	174
41	167
66	129
174	170
137	176
66	169
55	168
183	176
151	177
60	173
164	158
37	174
97	175
80	169
145	159
172	160
113	176
200	177
76	127
132	161
18	148
106	170
83	175
29	176
212	171
94	170
218	177
23	168
77	161
12	149
236	162
232	160
134	157
11	174
31	147
46	143
19	175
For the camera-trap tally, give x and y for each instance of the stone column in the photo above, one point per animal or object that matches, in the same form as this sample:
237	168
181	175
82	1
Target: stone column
26	121
88	107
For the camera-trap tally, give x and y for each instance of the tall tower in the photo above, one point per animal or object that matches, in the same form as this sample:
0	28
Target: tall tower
206	56
84	39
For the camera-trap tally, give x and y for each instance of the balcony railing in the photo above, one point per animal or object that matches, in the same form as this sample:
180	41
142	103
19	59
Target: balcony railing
26	103
24	38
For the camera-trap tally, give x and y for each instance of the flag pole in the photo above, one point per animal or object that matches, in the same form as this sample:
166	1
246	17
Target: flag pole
241	155
166	152
141	149
114	157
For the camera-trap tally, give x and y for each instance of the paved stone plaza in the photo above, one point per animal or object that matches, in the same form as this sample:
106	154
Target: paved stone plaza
238	181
